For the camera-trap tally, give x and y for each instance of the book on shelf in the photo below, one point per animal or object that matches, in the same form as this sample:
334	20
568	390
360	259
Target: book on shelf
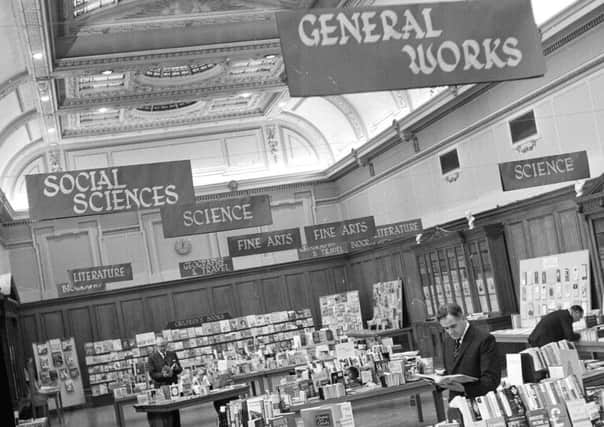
456	378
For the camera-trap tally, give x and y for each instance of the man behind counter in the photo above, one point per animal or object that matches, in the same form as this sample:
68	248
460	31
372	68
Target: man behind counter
556	326
469	351
163	365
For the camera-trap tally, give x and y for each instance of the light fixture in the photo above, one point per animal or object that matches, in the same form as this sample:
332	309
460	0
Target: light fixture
44	98
470	219
270	56
107	72
51	130
418	238
282	104
103	110
579	185
245	94
38	55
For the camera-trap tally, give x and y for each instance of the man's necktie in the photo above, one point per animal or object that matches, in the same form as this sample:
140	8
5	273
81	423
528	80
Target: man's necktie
457	346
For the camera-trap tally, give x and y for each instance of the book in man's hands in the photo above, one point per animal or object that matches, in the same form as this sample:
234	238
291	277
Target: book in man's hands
455	378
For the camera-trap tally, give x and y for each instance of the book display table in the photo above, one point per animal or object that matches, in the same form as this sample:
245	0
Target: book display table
161	414
409	389
520	336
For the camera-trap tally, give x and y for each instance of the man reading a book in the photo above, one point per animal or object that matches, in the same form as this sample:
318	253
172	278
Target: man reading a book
163	364
472	365
556	326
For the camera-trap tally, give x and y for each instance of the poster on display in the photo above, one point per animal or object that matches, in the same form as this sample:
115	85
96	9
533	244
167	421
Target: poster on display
261	243
553	282
205	267
57	366
340	231
544	170
216	215
341	312
388	304
109	190
336	51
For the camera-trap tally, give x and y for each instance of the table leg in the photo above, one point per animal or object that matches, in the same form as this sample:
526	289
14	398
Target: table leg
420	412
60	407
164	419
439	405
116	409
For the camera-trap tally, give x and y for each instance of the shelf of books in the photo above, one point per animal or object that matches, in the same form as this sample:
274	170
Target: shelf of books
120	364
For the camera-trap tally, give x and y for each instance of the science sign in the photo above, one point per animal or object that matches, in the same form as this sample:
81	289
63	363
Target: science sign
109	190
544	170
334	51
216	215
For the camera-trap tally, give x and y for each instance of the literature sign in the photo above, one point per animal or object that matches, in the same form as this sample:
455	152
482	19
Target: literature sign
101	273
398	230
205	267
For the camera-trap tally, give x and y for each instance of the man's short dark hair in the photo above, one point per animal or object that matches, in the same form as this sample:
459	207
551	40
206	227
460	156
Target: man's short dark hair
577	308
451	308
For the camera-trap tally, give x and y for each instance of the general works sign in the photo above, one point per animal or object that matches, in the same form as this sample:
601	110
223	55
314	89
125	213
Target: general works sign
216	215
109	190
544	170
334	51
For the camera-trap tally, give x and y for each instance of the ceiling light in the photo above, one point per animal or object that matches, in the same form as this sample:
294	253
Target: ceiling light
245	94
44	98
38	55
51	130
107	72
270	56
103	110
282	104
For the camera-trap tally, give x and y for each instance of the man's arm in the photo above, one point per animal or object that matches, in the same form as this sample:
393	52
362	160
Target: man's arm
176	368
154	373
567	330
490	370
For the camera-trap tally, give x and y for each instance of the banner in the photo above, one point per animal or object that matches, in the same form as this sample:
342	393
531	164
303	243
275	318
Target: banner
320	251
109	190
335	51
544	170
70	289
398	230
197	321
216	215
102	273
205	267
340	231
260	243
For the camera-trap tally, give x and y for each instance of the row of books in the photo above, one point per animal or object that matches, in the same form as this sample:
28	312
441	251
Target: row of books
551	354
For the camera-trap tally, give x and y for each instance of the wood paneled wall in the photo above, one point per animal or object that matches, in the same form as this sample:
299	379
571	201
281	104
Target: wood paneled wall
124	313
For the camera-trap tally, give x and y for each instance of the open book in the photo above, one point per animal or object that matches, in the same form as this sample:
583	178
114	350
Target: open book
455	378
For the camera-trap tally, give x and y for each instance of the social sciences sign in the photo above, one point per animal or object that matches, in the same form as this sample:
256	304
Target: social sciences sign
205	267
109	190
544	170
261	243
216	215
334	51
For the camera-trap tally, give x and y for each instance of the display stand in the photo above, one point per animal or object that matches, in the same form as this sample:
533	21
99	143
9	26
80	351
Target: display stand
341	312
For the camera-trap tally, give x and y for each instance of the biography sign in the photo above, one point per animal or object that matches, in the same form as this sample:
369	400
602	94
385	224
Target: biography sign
335	51
109	190
71	289
261	243
216	215
205	267
340	231
544	170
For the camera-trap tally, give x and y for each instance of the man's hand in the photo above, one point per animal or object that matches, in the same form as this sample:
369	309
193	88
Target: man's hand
166	372
453	386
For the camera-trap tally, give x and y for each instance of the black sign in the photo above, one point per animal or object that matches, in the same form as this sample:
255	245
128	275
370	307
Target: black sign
205	267
197	321
340	231
320	251
216	215
398	230
544	170
260	243
102	273
69	289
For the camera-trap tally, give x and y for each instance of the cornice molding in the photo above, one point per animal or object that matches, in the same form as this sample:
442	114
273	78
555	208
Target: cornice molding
13	83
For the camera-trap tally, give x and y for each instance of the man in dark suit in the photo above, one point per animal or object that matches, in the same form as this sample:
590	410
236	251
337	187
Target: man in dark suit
556	326
468	351
163	365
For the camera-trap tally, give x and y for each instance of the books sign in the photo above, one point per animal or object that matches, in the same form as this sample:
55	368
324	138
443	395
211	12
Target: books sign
334	51
340	231
205	267
544	170
216	215
109	190
260	243
197	321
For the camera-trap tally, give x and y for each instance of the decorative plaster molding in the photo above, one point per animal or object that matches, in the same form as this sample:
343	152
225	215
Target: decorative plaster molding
13	83
351	114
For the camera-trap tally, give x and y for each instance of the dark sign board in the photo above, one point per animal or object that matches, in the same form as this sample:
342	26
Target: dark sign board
109	190
216	215
70	289
544	170
205	267
334	51
100	274
320	251
260	243
340	231
197	321
398	230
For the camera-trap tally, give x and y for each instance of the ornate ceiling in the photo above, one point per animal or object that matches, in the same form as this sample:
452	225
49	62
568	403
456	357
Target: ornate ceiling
93	83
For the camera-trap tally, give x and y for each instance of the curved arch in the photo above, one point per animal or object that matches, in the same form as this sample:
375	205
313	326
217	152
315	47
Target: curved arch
17	123
19	161
351	114
12	83
307	129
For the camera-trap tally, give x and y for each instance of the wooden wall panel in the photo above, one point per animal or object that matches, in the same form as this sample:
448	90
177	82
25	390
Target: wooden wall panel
340	279
159	311
53	325
224	301
249	298
570	231
107	323
543	239
296	288
189	304
81	330
320	283
30	333
517	247
274	294
134	317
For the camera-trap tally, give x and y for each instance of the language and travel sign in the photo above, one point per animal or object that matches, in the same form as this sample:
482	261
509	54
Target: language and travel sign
544	170
109	190
205	267
340	231
261	243
216	215
335	51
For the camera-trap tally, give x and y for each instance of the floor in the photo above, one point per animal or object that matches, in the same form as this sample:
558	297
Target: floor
382	412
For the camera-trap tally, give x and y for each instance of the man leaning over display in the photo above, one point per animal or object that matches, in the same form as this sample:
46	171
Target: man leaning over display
556	326
469	351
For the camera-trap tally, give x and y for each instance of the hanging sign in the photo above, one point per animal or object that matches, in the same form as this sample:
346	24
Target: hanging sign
197	321
398	230
340	231
260	243
335	51
205	267
216	215
101	273
320	251
544	170
70	289
109	190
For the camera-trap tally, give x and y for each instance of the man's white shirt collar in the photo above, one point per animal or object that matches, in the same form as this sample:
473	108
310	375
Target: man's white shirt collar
464	332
